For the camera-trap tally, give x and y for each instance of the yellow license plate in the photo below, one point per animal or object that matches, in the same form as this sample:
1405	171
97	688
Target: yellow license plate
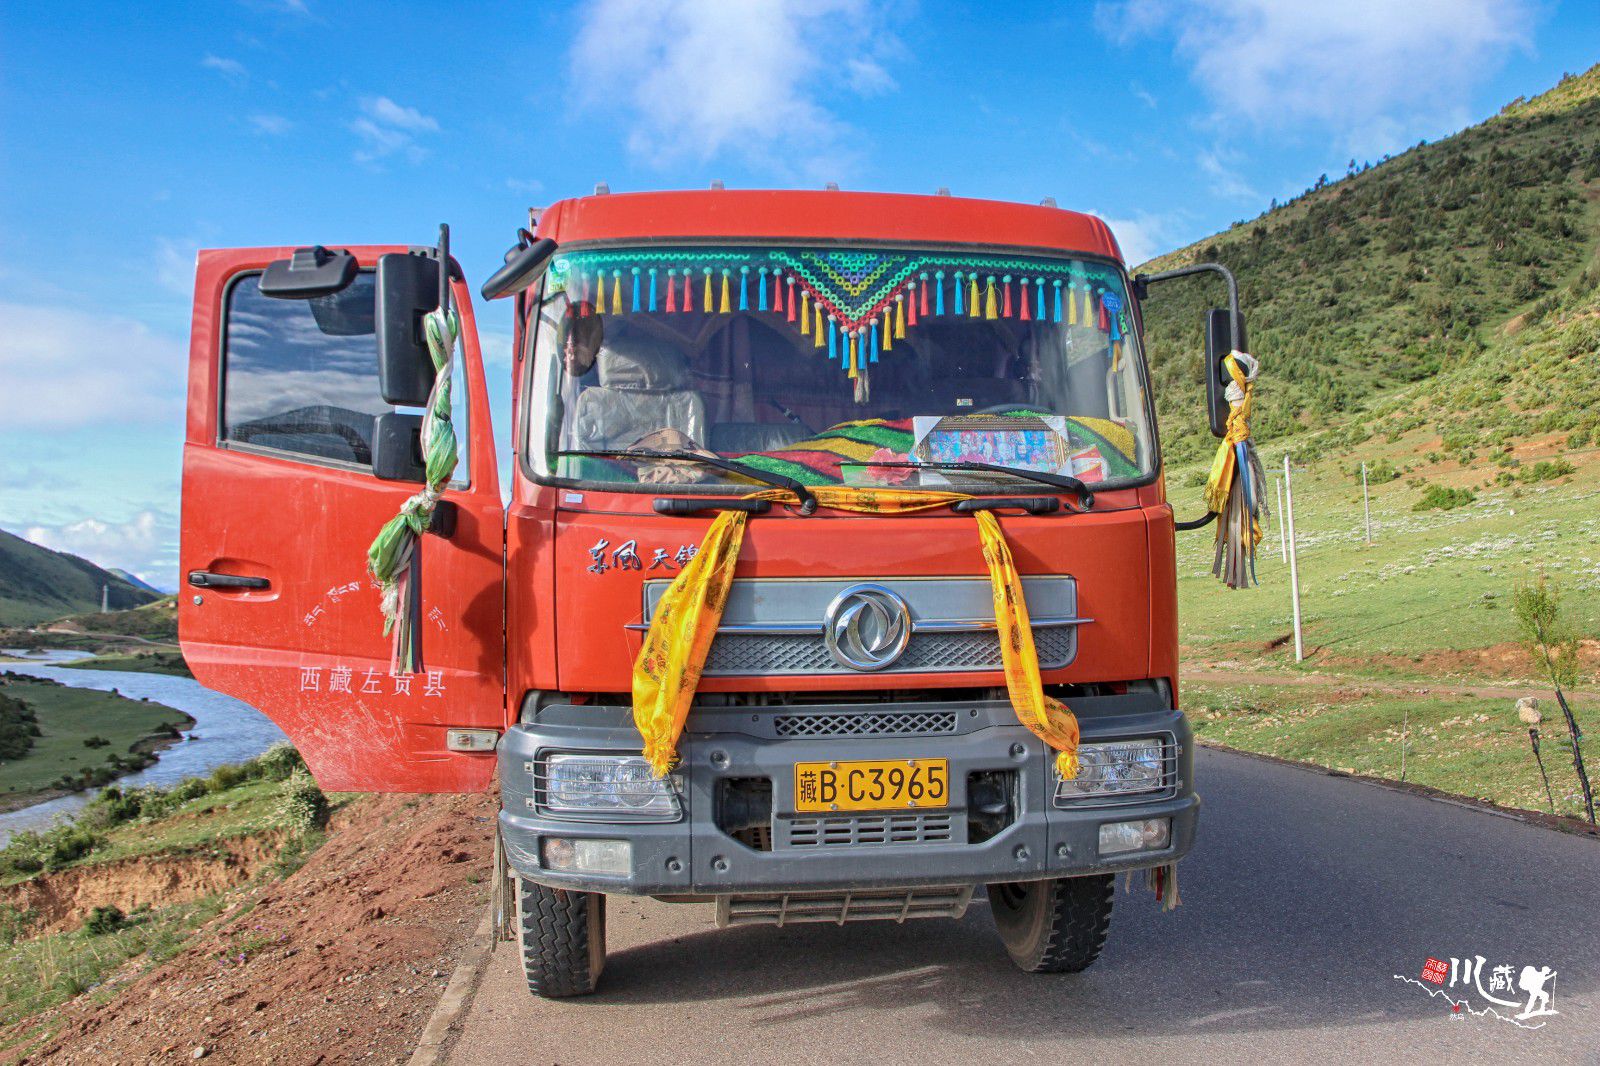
878	785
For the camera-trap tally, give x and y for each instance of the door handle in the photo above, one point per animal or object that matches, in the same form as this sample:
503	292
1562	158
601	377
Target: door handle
205	579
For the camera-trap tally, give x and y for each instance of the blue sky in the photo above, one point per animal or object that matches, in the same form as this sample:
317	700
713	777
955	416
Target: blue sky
132	135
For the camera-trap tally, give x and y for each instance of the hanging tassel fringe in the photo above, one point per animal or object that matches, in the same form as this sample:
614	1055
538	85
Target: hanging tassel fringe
938	292
958	292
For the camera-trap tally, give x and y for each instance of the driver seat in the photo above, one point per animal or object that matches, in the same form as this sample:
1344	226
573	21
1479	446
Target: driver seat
644	386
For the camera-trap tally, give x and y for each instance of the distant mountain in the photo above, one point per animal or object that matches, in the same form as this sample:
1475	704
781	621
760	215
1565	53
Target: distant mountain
1453	288
38	584
134	580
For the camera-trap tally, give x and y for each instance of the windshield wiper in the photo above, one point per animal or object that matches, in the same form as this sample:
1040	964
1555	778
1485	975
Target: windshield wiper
1060	481
808	502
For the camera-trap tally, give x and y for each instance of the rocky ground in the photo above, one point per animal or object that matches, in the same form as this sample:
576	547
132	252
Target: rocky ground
342	961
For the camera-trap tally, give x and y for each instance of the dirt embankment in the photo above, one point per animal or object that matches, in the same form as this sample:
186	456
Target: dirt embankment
63	900
342	961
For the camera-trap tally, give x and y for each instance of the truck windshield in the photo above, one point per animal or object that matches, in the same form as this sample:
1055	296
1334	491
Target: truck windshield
815	363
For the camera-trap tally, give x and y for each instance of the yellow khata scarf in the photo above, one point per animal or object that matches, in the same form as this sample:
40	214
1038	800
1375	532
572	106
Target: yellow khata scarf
667	671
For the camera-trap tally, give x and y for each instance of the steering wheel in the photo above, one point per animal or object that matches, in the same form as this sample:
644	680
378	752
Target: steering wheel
1014	408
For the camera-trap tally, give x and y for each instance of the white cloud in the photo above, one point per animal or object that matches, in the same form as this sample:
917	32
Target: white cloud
387	128
271	125
231	69
525	186
1223	168
1376	73
1142	237
175	261
697	78
145	545
66	369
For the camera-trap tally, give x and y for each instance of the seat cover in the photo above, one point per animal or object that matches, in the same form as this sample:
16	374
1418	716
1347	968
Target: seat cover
644	386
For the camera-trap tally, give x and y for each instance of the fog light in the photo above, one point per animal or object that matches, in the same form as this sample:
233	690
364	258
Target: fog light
613	857
1146	834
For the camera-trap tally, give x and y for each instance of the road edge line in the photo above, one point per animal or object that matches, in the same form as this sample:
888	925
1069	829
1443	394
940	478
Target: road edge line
458	993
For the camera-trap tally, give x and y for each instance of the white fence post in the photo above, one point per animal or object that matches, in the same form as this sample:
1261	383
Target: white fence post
1294	566
1366	502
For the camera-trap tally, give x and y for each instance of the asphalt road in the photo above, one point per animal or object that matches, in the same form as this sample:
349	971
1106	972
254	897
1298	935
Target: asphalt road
1304	897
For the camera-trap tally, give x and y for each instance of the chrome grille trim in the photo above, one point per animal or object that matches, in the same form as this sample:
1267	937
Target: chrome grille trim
857	905
859	830
773	626
866	724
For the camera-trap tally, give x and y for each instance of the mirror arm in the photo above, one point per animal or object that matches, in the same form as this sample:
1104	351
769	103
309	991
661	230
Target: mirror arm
444	268
1197	523
1141	283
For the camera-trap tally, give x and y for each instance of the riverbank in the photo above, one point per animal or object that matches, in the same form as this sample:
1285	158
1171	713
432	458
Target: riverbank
83	738
221	730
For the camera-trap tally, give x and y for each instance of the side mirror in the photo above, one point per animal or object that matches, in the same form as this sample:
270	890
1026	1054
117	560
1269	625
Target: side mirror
1219	342
525	264
310	272
397	447
408	288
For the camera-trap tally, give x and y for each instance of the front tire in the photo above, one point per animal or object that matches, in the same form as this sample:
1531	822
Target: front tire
1055	926
562	935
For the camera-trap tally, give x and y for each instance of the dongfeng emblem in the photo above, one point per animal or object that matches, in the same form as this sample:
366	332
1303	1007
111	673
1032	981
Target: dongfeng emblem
866	627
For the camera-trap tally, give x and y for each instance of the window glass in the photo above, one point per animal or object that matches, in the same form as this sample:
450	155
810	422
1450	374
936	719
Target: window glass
302	375
819	363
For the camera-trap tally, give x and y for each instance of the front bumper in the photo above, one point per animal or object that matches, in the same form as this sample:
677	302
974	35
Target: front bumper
695	855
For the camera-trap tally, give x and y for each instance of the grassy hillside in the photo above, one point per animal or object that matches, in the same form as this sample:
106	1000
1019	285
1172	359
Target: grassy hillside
1452	286
38	584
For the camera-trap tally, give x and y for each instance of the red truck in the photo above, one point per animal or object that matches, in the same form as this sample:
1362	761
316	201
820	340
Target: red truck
851	752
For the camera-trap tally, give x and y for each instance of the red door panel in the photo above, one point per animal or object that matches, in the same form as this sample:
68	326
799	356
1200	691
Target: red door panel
309	650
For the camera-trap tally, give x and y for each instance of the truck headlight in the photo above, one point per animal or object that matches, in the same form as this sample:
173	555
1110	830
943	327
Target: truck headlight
1118	768
603	785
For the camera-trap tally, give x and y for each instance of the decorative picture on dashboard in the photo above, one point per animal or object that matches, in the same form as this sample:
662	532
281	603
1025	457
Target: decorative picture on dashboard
1029	443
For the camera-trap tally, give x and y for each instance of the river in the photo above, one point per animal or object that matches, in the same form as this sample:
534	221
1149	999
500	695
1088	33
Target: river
226	729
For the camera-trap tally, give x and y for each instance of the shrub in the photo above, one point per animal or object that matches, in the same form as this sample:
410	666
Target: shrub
103	920
187	789
279	762
15	923
227	776
304	807
96	742
1546	470
1442	498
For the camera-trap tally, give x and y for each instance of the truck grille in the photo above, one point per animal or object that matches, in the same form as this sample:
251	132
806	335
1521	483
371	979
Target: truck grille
866	724
861	905
761	654
854	830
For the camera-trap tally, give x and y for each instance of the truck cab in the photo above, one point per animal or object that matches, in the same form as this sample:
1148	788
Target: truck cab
851	752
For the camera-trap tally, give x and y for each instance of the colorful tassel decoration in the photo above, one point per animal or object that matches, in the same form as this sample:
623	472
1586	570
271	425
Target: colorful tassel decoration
888	332
816	337
900	315
1088	305
959	289
652	289
1072	303
761	291
911	310
872	345
1005	285
705	299
989	304
599	292
616	292
922	280
805	312
1040	313
744	288
833	347
726	307
854	368
672	290
1103	320
973	310
938	292
636	290
1056	312
688	289
1024	298
778	285
1111	307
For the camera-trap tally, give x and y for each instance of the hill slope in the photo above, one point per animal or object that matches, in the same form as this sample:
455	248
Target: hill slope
1454	283
38	584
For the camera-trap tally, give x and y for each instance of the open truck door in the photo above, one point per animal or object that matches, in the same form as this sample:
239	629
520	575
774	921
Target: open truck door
299	447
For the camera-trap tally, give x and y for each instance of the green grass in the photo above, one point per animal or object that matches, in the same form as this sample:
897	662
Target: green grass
1430	581
1469	747
69	716
149	662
